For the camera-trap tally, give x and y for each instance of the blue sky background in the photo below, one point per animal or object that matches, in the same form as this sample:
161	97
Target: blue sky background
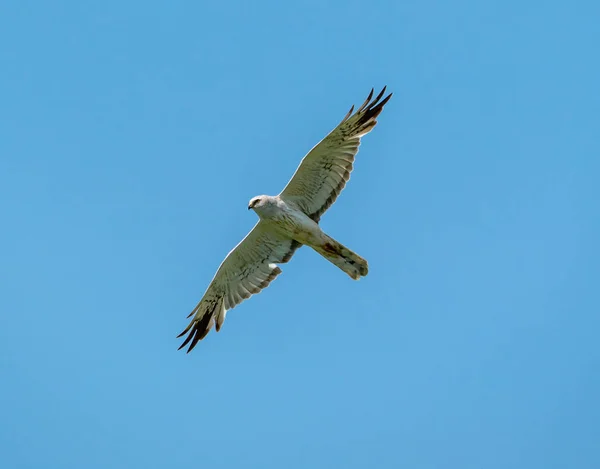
133	135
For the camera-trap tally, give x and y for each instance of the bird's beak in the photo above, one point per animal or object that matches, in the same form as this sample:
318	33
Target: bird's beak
249	207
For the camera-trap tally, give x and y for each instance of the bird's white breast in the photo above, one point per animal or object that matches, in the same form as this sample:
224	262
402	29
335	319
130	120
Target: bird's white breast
297	225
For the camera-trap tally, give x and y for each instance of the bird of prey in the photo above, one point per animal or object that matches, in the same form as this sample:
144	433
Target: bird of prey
288	221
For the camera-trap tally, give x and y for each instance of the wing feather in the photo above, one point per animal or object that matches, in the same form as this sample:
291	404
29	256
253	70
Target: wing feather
247	269
326	168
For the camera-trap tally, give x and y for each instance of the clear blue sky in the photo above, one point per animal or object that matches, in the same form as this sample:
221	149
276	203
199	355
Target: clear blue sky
133	135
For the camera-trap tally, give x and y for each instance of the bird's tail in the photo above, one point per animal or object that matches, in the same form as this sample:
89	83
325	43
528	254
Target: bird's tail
339	255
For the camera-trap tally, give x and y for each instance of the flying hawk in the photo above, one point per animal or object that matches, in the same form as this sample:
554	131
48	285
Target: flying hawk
287	221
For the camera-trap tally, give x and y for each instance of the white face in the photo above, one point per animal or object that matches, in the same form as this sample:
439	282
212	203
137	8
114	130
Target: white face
254	202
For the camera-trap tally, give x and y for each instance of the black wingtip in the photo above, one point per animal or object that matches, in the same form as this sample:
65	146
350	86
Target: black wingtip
186	329
348	114
375	104
188	338
385	100
366	103
380	94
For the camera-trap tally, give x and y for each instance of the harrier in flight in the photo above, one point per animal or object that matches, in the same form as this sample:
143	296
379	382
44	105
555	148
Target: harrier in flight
287	221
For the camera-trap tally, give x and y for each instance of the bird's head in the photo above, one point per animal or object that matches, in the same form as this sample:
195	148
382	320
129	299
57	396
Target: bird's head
257	202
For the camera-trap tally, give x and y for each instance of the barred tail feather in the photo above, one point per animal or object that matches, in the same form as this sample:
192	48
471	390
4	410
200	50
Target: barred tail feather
347	260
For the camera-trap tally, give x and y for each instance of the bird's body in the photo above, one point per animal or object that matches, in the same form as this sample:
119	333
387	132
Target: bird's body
288	221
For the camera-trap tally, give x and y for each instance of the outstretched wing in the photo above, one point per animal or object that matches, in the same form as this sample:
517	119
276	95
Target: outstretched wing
246	270
326	168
